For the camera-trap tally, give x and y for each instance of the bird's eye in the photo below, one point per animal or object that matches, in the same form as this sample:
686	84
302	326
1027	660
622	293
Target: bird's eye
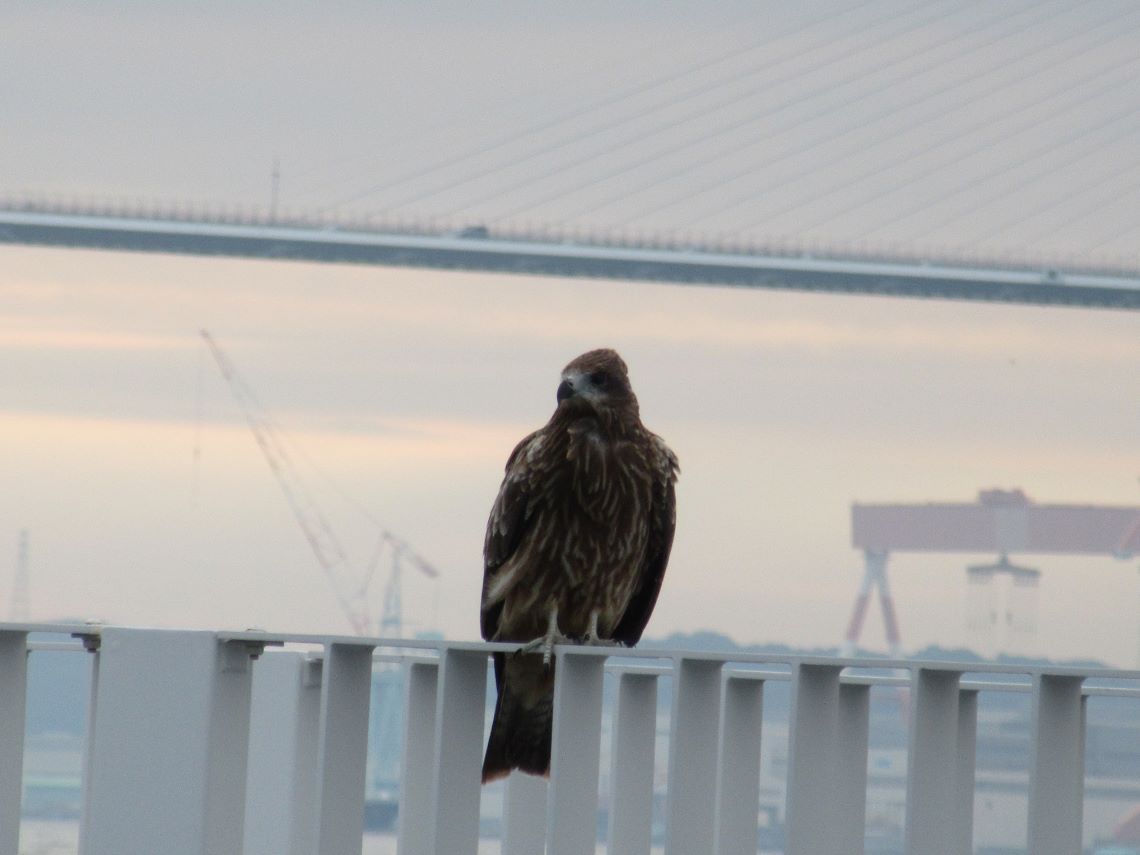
599	378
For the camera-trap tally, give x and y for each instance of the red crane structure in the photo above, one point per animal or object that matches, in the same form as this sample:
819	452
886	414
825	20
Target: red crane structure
1000	521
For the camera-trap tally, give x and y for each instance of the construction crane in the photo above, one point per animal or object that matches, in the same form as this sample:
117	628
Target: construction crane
350	588
20	607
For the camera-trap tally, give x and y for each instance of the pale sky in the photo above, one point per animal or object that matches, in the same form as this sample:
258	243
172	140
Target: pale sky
147	500
1006	130
407	390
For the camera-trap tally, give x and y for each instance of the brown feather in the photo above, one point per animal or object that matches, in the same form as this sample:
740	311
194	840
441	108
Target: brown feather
583	522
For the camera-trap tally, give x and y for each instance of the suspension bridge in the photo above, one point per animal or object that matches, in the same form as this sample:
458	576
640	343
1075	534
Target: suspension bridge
478	250
933	150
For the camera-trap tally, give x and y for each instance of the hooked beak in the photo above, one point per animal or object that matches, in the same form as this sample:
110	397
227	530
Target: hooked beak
565	390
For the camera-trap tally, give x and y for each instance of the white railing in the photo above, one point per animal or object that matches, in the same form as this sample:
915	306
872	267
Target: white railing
214	743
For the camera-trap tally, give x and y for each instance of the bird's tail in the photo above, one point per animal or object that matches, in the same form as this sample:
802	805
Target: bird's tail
524	715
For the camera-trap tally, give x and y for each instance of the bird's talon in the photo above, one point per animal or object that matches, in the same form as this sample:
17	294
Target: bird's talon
546	645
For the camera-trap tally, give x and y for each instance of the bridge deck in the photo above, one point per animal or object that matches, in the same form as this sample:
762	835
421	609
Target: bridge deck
538	257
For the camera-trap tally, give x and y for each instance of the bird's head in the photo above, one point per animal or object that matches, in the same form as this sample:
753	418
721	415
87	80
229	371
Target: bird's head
599	381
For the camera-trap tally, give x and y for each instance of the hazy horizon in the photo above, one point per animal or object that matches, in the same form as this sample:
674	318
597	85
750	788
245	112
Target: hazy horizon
1006	129
148	501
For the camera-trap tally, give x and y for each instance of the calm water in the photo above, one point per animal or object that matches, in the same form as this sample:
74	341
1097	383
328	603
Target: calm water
41	837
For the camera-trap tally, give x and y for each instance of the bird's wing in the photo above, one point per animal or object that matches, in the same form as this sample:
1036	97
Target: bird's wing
508	522
662	523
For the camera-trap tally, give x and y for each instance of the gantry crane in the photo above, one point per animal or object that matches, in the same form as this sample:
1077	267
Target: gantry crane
350	588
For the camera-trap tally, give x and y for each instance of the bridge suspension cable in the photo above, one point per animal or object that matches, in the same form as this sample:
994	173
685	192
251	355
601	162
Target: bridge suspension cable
990	121
534	129
1112	177
984	179
313	181
634	141
703	133
861	146
1126	123
796	150
999	132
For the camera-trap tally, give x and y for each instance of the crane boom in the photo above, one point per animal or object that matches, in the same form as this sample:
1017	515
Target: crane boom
350	590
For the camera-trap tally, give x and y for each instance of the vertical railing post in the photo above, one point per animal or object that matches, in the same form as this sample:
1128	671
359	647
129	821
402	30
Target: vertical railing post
690	818
418	760
229	746
92	645
853	733
932	761
342	747
964	778
524	815
1056	771
738	765
574	761
458	751
13	697
812	755
631	765
281	781
167	755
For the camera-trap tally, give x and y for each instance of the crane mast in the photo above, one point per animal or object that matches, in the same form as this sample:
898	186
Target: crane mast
20	607
350	590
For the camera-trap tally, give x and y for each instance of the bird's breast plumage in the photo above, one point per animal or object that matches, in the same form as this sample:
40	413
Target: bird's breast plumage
589	498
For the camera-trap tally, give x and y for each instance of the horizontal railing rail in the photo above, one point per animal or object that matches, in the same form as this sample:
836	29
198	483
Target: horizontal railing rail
225	742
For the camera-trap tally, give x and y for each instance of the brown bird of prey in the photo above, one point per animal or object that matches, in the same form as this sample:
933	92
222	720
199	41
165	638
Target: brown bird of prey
576	548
